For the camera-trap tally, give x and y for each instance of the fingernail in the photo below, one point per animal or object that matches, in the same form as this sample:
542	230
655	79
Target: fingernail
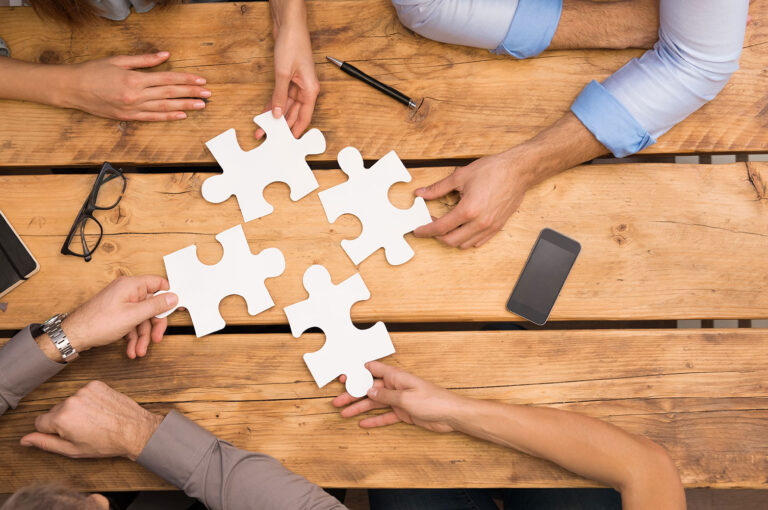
24	442
277	112
181	116
372	392
205	93
171	299
419	191
199	105
200	81
163	54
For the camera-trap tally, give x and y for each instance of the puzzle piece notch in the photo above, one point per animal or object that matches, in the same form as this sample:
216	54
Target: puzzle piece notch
365	195
280	158
347	349
201	287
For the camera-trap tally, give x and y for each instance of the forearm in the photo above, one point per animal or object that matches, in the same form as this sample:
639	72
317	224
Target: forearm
612	25
288	13
563	145
39	83
222	476
633	465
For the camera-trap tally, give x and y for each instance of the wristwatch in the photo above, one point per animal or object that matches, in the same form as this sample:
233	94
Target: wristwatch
53	328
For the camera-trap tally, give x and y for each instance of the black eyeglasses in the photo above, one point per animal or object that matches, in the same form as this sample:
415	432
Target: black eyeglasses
106	193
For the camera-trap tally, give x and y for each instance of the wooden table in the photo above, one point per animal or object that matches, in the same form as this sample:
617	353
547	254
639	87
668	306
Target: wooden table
660	241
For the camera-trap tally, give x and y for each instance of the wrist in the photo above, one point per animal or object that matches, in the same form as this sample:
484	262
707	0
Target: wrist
63	95
45	344
147	425
75	333
288	15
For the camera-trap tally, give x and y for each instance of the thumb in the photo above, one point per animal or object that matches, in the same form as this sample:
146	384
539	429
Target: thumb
155	305
392	398
140	61
50	443
438	189
280	95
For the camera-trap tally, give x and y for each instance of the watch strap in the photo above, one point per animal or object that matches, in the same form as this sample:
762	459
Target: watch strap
52	327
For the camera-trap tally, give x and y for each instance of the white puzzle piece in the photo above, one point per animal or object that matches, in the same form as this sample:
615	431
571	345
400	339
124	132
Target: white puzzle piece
365	196
347	349
201	287
280	158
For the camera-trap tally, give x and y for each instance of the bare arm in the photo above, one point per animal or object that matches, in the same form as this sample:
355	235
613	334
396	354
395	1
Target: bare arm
617	24
109	87
638	468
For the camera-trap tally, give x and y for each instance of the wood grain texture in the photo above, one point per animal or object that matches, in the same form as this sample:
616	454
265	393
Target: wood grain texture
476	103
700	394
658	242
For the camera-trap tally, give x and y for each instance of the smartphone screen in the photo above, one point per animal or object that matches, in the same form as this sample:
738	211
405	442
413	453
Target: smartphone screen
16	262
543	276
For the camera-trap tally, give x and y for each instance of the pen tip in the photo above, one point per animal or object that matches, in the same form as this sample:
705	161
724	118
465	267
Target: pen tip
335	61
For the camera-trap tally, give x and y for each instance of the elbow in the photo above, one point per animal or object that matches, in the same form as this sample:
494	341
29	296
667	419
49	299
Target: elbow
421	16
704	74
654	476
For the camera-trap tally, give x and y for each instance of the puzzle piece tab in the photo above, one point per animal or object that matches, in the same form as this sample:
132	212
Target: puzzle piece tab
365	196
347	349
280	158
201	287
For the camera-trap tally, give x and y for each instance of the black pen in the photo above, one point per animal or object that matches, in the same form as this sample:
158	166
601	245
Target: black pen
373	82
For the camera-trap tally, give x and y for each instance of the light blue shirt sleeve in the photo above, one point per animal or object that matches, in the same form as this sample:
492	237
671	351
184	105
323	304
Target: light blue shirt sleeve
521	28
698	49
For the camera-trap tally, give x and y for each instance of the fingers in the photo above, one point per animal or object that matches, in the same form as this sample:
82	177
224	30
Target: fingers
44	422
158	329
381	420
142	344
132	337
171	78
438	189
157	116
441	226
292	112
152	283
172	105
280	94
360	407
140	61
152	306
172	92
50	443
461	237
305	116
381	395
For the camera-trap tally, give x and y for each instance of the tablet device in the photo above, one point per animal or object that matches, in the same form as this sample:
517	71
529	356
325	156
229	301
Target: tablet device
543	276
16	262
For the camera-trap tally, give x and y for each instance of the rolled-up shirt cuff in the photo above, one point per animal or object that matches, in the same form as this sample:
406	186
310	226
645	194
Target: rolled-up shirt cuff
176	448
532	28
4	50
610	121
23	367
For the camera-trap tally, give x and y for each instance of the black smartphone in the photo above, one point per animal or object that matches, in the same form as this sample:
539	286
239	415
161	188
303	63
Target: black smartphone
543	276
16	262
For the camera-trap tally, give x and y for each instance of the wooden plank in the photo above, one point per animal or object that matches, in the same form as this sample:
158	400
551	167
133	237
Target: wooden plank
476	103
700	394
659	242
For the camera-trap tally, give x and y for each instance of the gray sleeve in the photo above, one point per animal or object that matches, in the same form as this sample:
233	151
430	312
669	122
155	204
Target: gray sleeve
4	50
222	476
23	367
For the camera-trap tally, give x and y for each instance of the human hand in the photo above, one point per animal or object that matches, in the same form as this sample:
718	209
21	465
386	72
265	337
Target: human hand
124	308
110	87
491	189
296	84
97	421
412	400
